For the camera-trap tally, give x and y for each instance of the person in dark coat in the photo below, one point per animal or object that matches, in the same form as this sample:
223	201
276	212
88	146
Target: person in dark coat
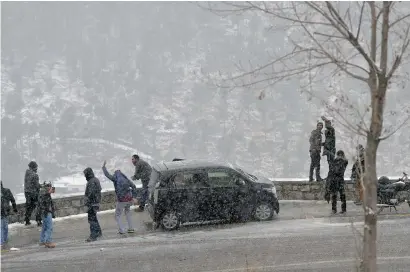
143	172
337	182
329	145
358	170
46	210
315	141
6	198
92	201
31	192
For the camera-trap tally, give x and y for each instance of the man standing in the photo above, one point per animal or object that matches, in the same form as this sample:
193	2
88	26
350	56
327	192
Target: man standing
92	201
329	146
315	141
358	171
6	198
31	192
143	172
337	181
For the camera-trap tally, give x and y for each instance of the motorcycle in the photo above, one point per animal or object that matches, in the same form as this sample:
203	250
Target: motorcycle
392	194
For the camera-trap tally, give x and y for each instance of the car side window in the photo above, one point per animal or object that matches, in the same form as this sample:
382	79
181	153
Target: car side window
188	179
221	178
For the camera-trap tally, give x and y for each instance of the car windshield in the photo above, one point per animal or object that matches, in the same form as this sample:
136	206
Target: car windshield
254	178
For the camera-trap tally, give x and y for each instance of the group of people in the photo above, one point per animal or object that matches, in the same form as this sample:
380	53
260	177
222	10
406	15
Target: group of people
38	197
337	163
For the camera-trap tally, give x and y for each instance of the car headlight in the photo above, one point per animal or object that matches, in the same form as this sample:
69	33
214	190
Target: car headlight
271	189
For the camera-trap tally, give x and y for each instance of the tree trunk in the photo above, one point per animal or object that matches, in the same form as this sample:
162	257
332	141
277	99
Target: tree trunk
370	177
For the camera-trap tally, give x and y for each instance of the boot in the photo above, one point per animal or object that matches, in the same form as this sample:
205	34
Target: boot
42	244
50	245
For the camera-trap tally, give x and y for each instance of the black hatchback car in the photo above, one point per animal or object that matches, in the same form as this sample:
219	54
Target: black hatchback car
199	191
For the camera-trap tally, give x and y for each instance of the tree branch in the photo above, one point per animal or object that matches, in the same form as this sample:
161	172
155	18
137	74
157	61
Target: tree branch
398	59
360	21
395	130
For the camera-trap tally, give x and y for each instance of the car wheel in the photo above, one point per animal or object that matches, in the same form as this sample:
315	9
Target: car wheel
170	221
263	212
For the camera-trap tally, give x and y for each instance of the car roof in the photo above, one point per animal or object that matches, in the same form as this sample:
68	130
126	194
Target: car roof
189	164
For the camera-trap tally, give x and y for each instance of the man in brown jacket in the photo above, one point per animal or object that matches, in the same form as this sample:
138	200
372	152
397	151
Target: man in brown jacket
315	141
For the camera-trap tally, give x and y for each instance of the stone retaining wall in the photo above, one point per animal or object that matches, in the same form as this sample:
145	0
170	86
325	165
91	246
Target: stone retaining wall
304	190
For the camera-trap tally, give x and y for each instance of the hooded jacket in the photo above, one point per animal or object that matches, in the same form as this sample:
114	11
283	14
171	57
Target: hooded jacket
92	189
46	204
124	188
6	198
31	180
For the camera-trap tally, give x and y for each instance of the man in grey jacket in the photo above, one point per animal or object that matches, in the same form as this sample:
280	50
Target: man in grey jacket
143	172
31	192
92	202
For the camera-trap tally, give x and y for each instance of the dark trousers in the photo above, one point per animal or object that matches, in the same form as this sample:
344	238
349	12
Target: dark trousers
314	164
338	187
144	193
31	203
95	229
330	155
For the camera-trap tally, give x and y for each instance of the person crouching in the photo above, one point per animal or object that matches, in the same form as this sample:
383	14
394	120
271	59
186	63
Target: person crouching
46	206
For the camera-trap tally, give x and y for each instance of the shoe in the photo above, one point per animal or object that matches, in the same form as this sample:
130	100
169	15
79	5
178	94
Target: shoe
334	211
121	232
311	180
39	224
358	202
319	179
42	244
89	239
50	245
28	223
131	231
100	234
342	212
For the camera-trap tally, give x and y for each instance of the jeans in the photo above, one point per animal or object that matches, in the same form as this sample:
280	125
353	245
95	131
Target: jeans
95	229
338	188
120	206
4	230
46	229
31	203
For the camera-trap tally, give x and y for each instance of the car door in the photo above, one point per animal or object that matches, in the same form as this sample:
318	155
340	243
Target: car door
194	195
224	190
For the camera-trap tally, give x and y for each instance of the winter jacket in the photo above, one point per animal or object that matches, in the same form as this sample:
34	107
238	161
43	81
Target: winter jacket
92	189
315	140
358	168
330	140
142	171
31	181
124	188
46	204
6	198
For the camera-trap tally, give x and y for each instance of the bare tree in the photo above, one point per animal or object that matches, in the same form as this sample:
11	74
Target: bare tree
334	43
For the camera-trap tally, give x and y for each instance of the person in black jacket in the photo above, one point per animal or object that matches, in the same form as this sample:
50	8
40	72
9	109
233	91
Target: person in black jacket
337	182
329	146
46	210
92	201
6	198
31	192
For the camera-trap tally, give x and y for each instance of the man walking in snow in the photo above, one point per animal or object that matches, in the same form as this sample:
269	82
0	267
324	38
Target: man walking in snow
337	182
92	201
124	189
358	170
31	192
143	172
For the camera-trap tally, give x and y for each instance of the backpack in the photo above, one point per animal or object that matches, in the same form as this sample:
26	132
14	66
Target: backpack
124	191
